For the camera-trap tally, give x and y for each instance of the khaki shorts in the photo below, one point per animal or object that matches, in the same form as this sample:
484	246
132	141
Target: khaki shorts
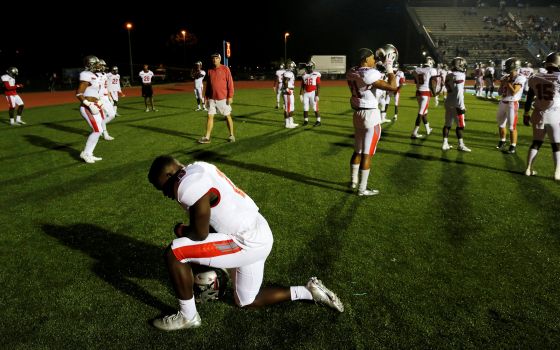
220	106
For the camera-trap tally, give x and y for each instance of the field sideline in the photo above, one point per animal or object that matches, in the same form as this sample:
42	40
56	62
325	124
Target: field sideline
458	250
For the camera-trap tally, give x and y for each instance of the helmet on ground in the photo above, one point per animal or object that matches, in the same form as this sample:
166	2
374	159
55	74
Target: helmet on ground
512	64
12	71
115	70
91	62
387	51
209	283
459	64
552	60
429	62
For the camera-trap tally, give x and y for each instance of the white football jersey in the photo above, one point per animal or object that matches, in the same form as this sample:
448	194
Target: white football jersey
455	85
146	76
506	94
103	90
94	87
114	82
11	82
422	76
526	71
279	73
399	76
360	81
547	90
289	75
233	212
311	80
199	78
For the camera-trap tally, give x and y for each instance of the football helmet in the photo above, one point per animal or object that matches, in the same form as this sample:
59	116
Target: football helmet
459	64
209	283
198	63
429	62
91	62
281	65
12	71
102	65
552	60
309	66
115	70
491	63
512	64
387	51
290	65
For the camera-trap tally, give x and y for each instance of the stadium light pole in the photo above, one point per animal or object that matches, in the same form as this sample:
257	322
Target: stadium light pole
184	32
286	35
128	28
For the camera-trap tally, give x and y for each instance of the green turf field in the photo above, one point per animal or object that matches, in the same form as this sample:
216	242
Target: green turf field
458	250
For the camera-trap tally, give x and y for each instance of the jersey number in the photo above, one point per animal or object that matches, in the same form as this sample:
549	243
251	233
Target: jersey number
235	188
545	92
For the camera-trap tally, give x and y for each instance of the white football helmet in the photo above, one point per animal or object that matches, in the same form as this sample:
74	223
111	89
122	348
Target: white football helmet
429	62
115	70
512	64
459	64
552	60
209	284
12	71
387	51
91	62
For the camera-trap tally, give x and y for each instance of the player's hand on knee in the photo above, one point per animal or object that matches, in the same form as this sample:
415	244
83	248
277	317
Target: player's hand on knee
180	229
94	109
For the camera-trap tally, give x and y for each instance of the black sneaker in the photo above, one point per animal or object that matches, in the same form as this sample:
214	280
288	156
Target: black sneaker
317	123
501	144
305	122
511	149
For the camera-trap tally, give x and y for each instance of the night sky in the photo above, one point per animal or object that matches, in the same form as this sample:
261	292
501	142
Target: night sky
59	41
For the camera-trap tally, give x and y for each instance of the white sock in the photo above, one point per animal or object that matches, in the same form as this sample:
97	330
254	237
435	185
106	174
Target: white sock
364	174
461	142
415	131
531	157
306	119
115	107
354	168
427	126
514	144
445	140
286	121
383	115
188	308
91	143
12	121
18	118
503	140
292	120
556	156
319	119
300	293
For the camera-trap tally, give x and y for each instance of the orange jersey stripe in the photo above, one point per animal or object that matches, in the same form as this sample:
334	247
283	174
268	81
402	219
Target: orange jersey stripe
206	250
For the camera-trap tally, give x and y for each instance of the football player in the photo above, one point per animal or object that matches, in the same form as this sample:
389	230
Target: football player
455	103
544	88
198	75
242	242
14	100
104	99
90	108
527	71
424	78
364	82
288	86
401	80
489	79
277	87
309	93
511	88
114	87
146	76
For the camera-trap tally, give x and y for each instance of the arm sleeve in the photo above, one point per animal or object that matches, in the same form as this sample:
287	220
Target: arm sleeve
229	84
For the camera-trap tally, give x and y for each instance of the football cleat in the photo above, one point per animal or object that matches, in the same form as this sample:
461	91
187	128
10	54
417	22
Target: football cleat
428	131
231	138
147	109
501	144
323	295
446	147
512	149
305	122
21	122
87	158
463	148
353	185
367	192
416	136
96	158
530	172
177	321
108	137
203	139
317	123
198	109
557	175
395	117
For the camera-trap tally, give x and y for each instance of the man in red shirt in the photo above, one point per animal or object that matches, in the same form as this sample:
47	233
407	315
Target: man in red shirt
219	97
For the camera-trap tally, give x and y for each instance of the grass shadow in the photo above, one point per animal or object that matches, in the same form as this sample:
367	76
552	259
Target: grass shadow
51	145
118	258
